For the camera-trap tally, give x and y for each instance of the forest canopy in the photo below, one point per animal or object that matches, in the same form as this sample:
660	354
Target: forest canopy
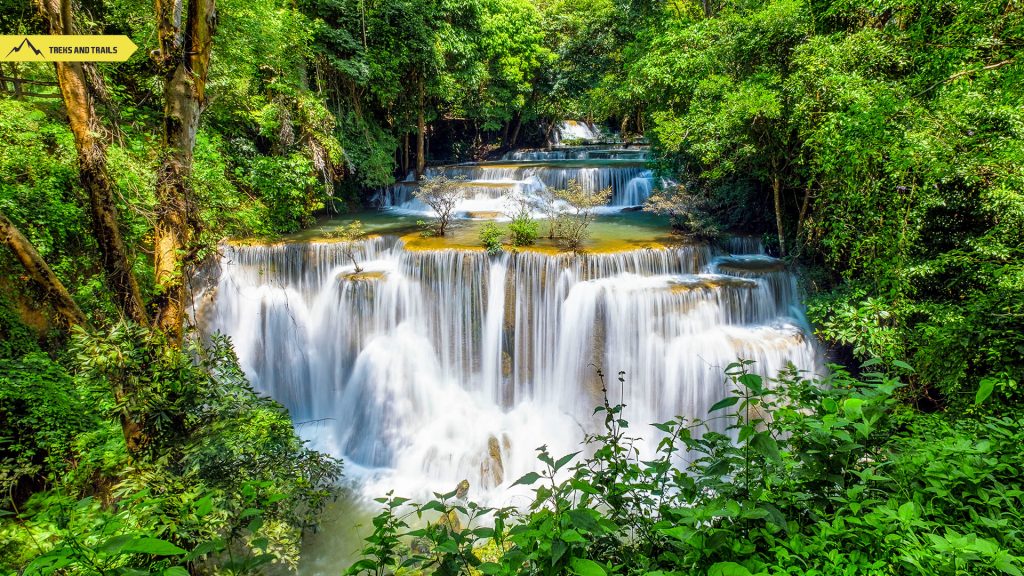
876	148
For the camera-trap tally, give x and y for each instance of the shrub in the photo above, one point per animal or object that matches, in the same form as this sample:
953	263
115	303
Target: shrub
41	411
490	237
524	230
288	186
573	225
217	474
811	477
441	194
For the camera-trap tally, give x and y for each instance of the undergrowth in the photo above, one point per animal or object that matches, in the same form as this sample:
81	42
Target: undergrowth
806	477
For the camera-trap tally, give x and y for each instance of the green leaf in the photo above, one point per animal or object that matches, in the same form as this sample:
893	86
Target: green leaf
903	365
724	403
907	512
175	571
564	460
584	519
154	546
115	544
584	567
853	408
775	515
572	537
728	569
1007	567
765	445
558	549
753	382
489	568
205	548
830	405
985	388
527	479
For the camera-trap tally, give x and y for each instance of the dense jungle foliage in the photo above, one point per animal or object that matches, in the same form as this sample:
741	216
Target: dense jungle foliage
878	146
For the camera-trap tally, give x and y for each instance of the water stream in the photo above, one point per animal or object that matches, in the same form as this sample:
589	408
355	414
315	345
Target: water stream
495	188
434	366
430	367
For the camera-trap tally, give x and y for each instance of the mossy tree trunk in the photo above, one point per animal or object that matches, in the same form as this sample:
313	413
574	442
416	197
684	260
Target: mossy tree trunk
78	96
39	271
184	58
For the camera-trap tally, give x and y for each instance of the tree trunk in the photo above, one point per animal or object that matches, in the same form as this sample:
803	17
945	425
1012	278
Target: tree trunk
777	193
804	206
75	89
421	129
41	273
547	134
515	131
184	57
405	155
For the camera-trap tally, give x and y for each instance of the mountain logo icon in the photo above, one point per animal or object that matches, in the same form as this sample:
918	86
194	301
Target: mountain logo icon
24	43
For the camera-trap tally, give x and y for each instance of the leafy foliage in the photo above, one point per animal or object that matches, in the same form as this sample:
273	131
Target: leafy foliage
573	223
221	474
810	477
490	237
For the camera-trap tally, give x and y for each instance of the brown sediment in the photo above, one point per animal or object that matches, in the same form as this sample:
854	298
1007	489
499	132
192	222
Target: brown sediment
417	242
710	283
365	276
303	237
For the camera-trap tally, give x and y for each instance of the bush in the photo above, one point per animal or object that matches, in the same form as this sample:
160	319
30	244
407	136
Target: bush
288	186
810	478
216	472
441	194
524	230
41	411
572	225
490	237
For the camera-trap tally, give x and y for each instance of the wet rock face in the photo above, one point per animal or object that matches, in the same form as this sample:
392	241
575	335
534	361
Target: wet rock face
492	469
462	490
751	264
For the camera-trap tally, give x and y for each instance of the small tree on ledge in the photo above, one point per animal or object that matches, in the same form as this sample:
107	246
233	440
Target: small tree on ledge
574	223
442	194
349	235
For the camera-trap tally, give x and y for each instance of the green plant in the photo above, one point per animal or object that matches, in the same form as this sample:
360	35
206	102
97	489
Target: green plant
490	237
786	476
213	461
573	225
523	230
350	234
441	194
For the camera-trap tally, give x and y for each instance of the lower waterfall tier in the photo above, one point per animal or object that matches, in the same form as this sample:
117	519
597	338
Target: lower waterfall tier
430	367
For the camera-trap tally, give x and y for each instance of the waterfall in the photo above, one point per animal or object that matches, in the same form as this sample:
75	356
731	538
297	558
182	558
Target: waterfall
578	153
574	130
489	187
431	367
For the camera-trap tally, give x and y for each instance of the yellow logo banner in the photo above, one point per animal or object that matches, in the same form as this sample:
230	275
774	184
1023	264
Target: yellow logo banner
66	48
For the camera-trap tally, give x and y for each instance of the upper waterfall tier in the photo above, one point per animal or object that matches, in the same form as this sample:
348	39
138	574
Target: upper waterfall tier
574	130
431	367
498	187
579	153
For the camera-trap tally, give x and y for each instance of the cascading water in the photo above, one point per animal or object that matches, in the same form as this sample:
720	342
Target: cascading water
575	130
431	367
496	187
